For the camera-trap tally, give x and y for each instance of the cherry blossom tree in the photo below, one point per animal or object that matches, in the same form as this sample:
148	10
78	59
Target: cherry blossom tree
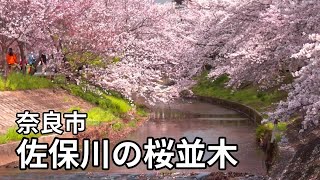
157	48
41	25
154	42
14	21
160	47
304	92
255	42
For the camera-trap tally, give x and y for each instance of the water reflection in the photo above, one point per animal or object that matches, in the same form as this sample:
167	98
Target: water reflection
190	120
209	122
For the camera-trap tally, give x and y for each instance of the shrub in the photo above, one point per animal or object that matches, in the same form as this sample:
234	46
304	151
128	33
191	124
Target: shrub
118	126
133	123
264	128
60	79
282	126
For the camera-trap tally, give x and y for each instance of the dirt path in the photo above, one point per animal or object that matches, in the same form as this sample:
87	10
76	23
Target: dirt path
12	102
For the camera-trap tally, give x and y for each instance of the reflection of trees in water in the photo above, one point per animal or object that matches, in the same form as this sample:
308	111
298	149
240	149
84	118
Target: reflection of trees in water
203	119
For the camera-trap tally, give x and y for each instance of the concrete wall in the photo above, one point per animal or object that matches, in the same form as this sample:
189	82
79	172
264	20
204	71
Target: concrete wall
251	113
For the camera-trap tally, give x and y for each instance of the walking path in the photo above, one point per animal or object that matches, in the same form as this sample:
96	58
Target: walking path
13	102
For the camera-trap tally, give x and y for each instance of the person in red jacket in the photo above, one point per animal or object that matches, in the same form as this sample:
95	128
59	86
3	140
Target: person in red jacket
11	60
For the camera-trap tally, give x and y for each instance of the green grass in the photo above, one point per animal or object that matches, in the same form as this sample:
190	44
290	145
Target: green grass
251	96
122	105
75	108
264	128
133	123
142	111
18	81
111	107
96	116
2	84
60	80
107	102
118	126
12	135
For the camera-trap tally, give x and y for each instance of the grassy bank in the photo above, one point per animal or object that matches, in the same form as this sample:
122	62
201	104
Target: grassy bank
250	95
97	116
12	135
19	81
100	98
103	123
110	107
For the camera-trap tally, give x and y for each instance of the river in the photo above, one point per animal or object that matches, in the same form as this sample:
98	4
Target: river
188	119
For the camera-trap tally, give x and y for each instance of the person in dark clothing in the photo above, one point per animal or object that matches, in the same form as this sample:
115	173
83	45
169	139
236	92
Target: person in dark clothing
23	64
43	59
179	2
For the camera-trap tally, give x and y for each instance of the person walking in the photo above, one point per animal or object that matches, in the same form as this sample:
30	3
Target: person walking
23	64
31	61
11	60
43	62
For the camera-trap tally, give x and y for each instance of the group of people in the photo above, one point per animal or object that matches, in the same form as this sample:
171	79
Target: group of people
26	65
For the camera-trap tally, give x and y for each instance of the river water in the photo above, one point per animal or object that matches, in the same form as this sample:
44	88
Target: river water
188	119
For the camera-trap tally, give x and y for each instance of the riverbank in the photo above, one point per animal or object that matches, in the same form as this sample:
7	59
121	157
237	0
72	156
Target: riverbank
294	154
200	120
298	156
249	101
9	160
109	115
249	95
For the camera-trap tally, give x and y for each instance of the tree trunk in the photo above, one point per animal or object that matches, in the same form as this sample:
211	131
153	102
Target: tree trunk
3	60
22	51
22	55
